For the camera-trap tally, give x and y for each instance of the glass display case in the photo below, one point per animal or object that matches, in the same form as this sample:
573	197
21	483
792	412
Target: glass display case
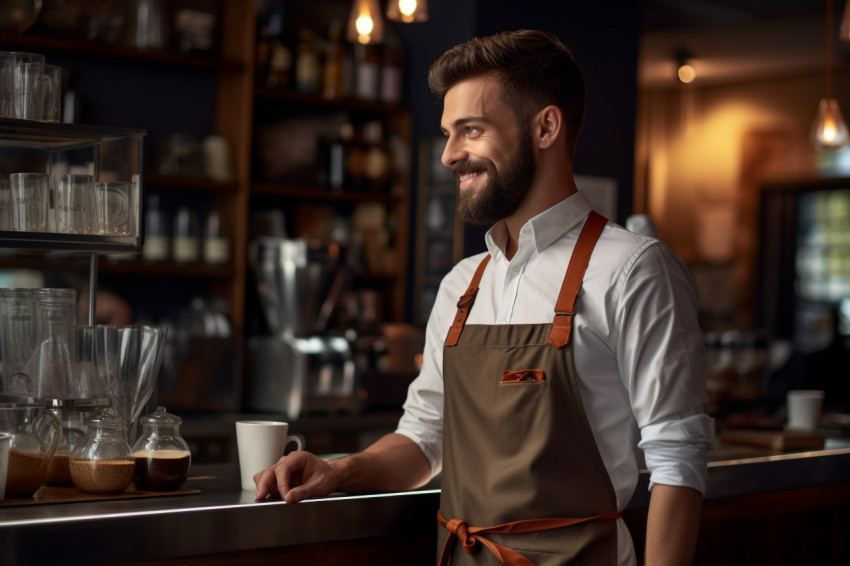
108	162
105	165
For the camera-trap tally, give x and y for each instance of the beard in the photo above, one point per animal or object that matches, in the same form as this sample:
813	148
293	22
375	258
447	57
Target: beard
503	193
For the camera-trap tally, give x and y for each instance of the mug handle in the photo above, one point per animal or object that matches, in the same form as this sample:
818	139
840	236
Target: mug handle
49	431
297	439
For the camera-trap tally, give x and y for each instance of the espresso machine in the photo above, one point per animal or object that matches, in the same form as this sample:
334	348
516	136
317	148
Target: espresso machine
300	367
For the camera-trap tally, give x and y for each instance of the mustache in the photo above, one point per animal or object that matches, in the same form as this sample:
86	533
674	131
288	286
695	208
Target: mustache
470	166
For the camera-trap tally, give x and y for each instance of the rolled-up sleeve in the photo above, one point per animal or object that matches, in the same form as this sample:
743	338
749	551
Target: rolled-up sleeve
663	367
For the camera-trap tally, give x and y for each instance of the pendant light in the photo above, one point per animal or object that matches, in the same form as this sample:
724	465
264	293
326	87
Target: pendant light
365	24
407	11
830	129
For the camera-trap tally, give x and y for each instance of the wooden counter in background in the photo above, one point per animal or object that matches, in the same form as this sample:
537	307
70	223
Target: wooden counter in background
762	507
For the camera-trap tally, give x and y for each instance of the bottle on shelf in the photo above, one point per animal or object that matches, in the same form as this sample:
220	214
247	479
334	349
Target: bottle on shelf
333	85
185	244
276	70
157	244
377	165
391	70
216	245
367	71
308	69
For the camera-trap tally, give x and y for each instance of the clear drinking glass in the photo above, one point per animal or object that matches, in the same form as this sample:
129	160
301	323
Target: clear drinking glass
113	207
30	193
28	85
76	205
18	340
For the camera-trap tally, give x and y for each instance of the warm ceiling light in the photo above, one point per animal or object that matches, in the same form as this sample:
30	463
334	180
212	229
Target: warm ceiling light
684	70
686	73
829	130
365	24
407	11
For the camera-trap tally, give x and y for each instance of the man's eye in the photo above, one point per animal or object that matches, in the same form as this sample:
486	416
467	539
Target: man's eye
472	130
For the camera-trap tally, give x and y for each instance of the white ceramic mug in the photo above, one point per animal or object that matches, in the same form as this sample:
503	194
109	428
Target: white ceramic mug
804	408
260	444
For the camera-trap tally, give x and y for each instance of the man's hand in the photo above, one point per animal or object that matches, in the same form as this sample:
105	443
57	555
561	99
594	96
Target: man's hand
297	476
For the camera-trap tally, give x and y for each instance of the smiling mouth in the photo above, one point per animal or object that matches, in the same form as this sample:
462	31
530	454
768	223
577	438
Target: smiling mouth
465	179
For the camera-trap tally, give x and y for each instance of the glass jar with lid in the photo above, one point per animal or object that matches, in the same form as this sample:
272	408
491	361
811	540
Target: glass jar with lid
103	462
161	455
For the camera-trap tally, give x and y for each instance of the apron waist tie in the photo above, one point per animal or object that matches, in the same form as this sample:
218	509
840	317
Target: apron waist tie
470	537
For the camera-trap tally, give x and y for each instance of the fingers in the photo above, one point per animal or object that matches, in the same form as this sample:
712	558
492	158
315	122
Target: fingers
296	477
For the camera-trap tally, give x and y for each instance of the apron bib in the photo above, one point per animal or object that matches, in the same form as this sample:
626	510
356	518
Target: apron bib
523	481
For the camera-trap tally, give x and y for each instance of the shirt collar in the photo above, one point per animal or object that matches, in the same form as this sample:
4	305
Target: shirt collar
546	227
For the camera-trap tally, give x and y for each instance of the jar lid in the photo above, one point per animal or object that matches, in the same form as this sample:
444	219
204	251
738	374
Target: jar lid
161	418
106	419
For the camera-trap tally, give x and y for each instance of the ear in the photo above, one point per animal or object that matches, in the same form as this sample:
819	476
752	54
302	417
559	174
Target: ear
548	125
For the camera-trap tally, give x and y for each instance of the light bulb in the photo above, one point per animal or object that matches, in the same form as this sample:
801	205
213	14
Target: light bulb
830	129
365	24
407	11
686	73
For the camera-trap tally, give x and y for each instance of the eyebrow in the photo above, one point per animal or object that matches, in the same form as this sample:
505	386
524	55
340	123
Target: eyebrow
466	120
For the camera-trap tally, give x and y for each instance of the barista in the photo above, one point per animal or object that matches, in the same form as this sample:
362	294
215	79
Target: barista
537	388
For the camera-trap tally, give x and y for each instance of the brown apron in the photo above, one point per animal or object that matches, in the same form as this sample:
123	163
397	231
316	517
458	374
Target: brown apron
522	474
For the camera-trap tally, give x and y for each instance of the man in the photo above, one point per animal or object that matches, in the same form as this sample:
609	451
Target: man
533	403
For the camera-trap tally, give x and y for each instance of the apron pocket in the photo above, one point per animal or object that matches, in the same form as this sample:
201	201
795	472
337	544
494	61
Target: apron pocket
522	376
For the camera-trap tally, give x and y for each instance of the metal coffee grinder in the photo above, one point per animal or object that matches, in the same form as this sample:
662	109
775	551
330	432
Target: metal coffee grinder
300	367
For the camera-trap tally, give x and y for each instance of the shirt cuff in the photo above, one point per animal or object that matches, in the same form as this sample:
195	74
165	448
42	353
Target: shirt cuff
676	452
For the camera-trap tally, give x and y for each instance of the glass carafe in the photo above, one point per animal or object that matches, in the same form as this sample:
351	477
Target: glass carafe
103	462
35	436
162	456
56	317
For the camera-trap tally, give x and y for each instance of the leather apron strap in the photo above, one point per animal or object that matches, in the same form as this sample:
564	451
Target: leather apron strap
564	307
562	324
464	304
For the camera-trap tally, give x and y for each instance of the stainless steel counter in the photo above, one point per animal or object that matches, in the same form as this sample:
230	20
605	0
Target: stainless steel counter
224	519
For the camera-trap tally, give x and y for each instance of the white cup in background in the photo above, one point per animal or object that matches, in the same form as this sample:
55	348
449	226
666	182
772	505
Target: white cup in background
5	438
260	444
804	409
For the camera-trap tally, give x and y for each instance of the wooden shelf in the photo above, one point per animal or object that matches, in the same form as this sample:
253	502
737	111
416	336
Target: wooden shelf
347	103
190	183
319	193
118	51
167	269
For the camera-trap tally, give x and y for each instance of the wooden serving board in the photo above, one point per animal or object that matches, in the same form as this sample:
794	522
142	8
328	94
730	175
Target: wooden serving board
773	439
71	494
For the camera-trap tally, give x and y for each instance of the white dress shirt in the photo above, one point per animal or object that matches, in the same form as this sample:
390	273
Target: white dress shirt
638	349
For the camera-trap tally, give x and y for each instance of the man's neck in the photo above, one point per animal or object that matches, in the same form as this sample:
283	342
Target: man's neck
541	197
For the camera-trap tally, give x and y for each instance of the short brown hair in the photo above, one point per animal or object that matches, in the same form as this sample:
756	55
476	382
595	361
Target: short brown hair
534	68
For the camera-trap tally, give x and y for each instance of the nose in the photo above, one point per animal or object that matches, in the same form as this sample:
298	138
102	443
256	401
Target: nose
453	152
